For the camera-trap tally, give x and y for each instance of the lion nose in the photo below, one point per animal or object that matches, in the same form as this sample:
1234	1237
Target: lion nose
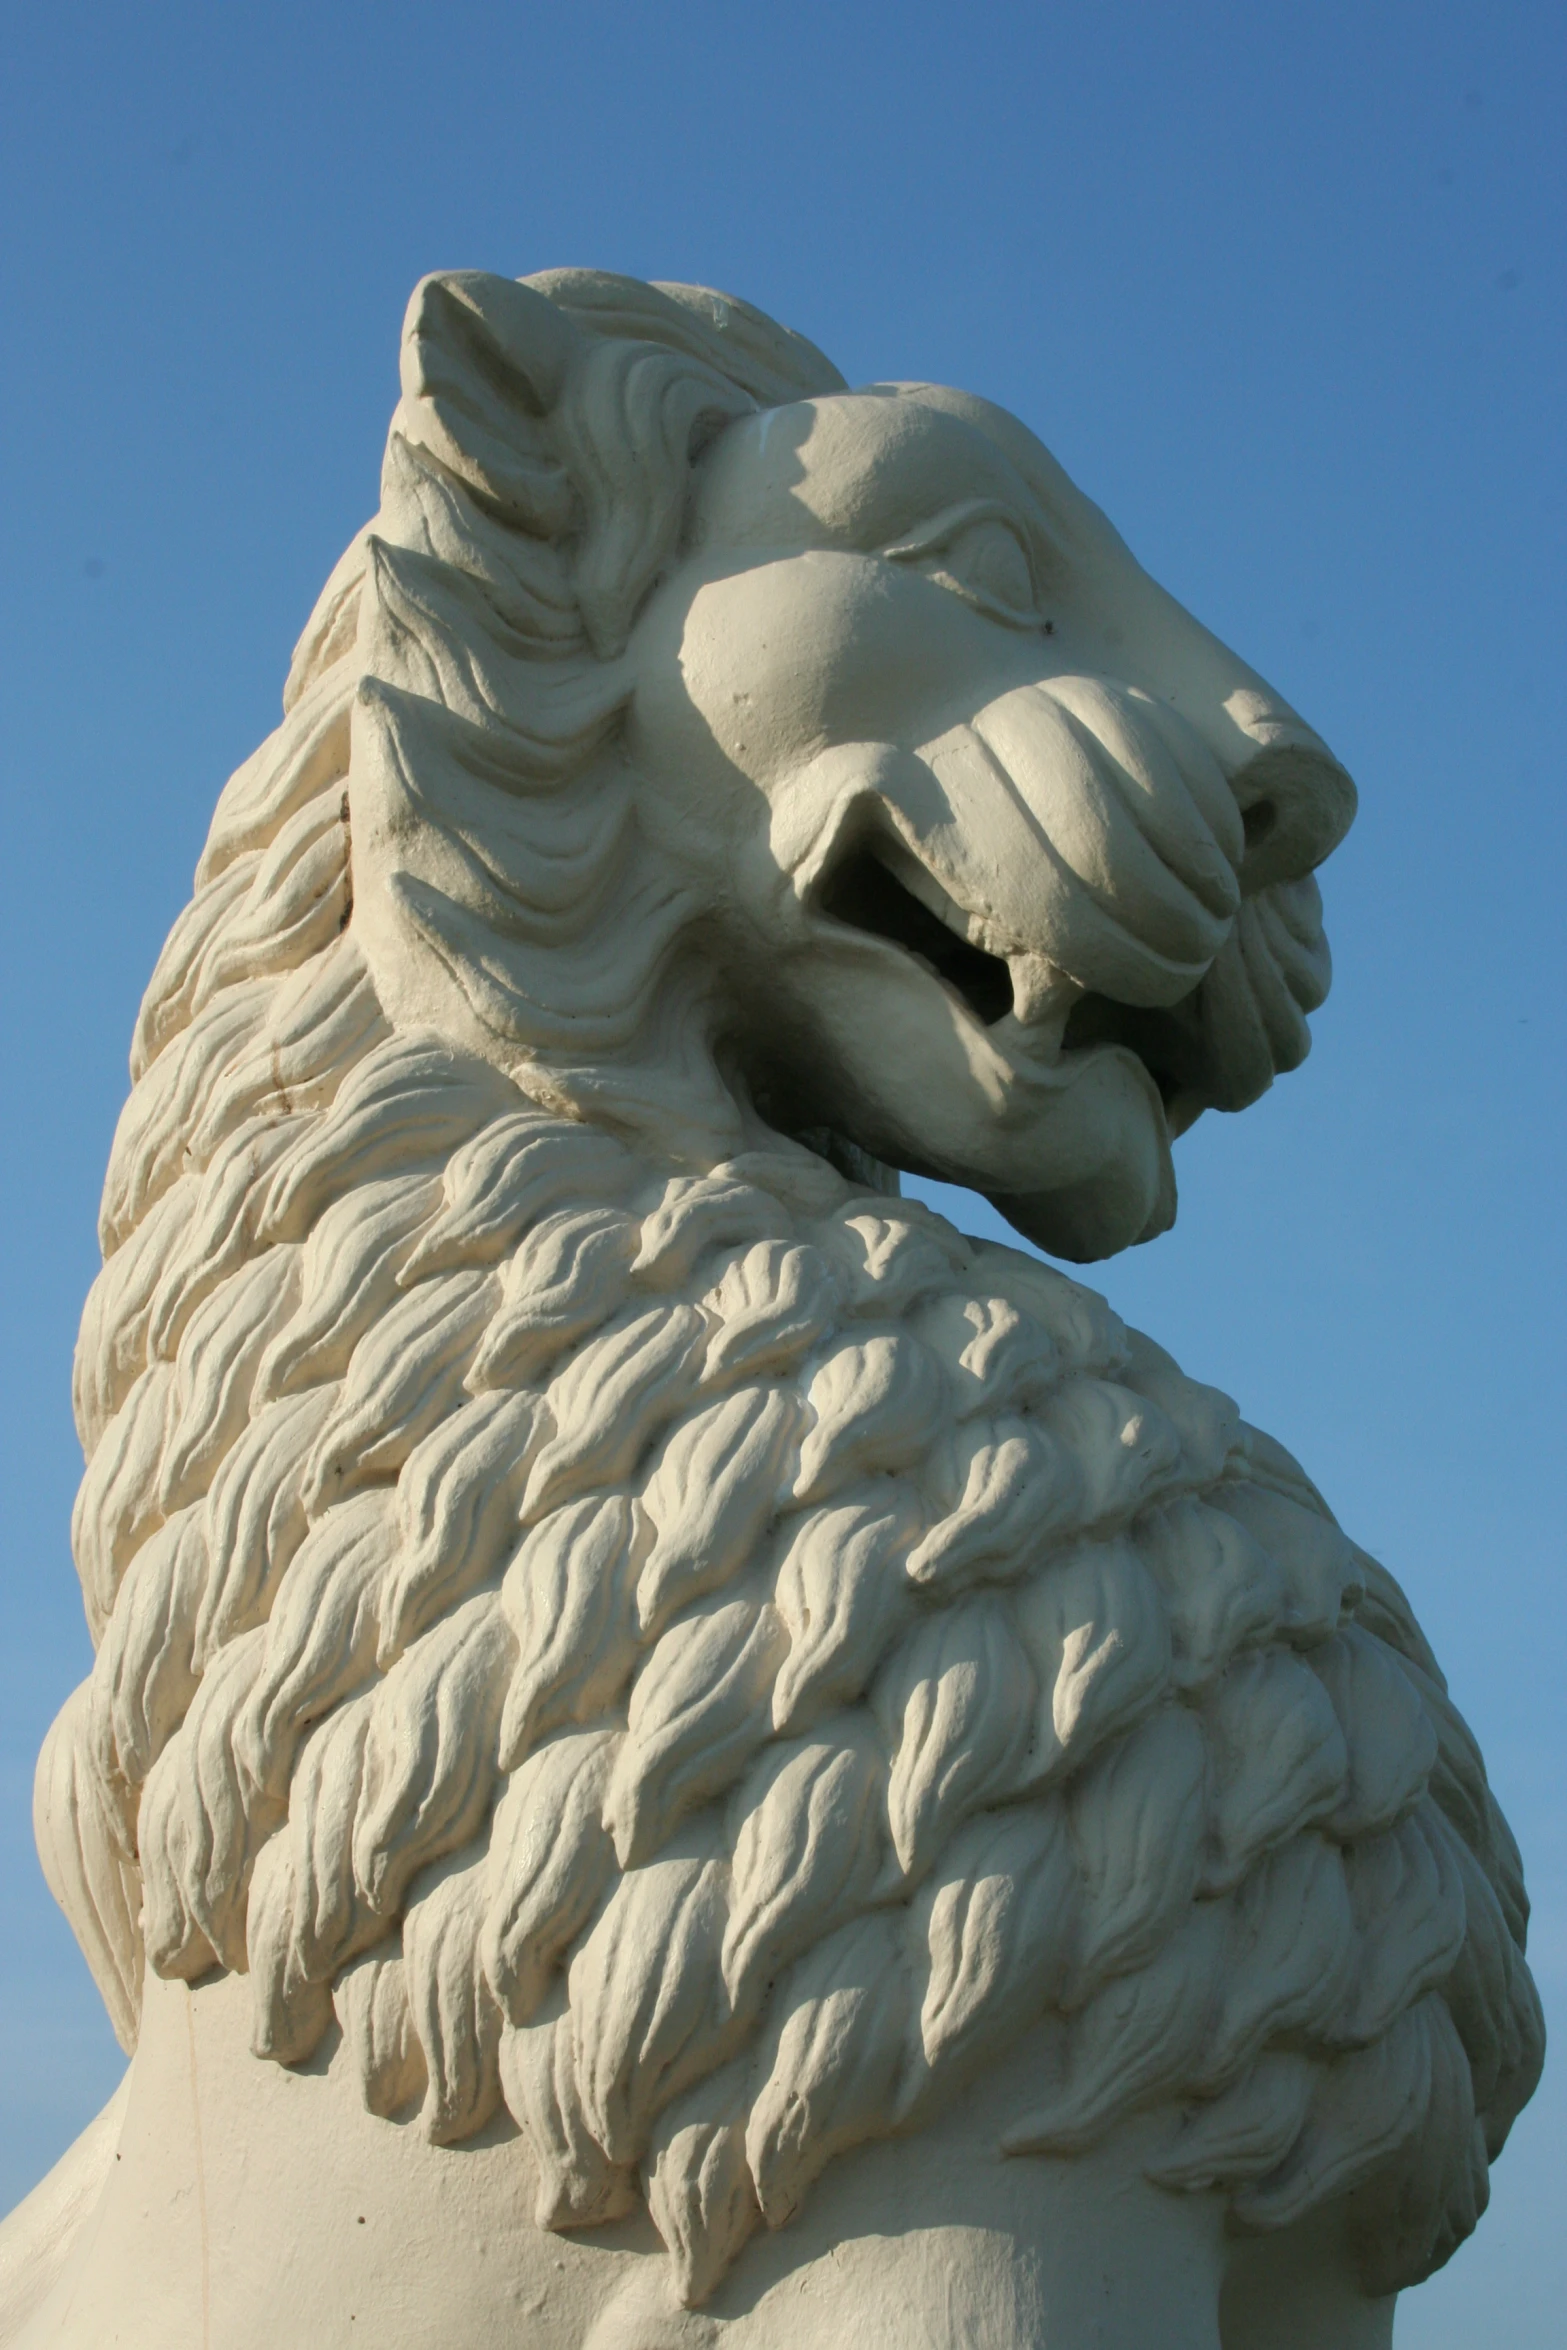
1294	799
1296	804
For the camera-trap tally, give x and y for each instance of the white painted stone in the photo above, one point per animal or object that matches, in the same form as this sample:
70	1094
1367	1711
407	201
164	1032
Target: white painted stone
754	1771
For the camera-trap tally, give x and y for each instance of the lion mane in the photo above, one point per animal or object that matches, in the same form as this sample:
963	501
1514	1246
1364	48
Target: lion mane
655	1632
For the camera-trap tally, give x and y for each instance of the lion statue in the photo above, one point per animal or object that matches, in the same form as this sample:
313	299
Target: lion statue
761	1771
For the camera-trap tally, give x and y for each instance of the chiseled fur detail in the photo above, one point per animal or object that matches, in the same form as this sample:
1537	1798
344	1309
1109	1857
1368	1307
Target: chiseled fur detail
695	1651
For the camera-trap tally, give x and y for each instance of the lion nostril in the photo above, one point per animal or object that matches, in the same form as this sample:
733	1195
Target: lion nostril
1258	821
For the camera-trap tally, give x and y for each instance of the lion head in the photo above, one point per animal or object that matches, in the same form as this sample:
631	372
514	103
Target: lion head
900	797
633	1622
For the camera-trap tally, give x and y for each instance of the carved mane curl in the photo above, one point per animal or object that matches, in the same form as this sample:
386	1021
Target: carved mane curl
632	1624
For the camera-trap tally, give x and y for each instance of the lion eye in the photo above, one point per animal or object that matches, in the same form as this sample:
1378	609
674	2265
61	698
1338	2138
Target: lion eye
977	553
988	563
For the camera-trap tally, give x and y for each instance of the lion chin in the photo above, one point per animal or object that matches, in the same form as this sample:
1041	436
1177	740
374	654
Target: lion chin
594	1596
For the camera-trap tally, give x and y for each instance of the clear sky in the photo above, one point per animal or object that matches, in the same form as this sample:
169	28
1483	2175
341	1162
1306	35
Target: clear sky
1281	286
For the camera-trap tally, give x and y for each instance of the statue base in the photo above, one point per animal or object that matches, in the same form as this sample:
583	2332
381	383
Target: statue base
245	2204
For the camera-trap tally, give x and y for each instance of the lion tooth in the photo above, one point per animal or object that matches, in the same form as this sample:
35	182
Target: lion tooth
1042	994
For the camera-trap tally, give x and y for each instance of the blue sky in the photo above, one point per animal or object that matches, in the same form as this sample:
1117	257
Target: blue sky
1283	290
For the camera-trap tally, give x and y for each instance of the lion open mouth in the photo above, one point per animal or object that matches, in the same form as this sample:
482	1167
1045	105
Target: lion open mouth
1143	940
865	893
1160	1040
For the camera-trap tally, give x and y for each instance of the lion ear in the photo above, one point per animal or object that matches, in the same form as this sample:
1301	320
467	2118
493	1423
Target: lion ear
483	362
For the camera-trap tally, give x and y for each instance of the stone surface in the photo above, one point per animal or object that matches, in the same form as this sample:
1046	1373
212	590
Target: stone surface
753	1771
